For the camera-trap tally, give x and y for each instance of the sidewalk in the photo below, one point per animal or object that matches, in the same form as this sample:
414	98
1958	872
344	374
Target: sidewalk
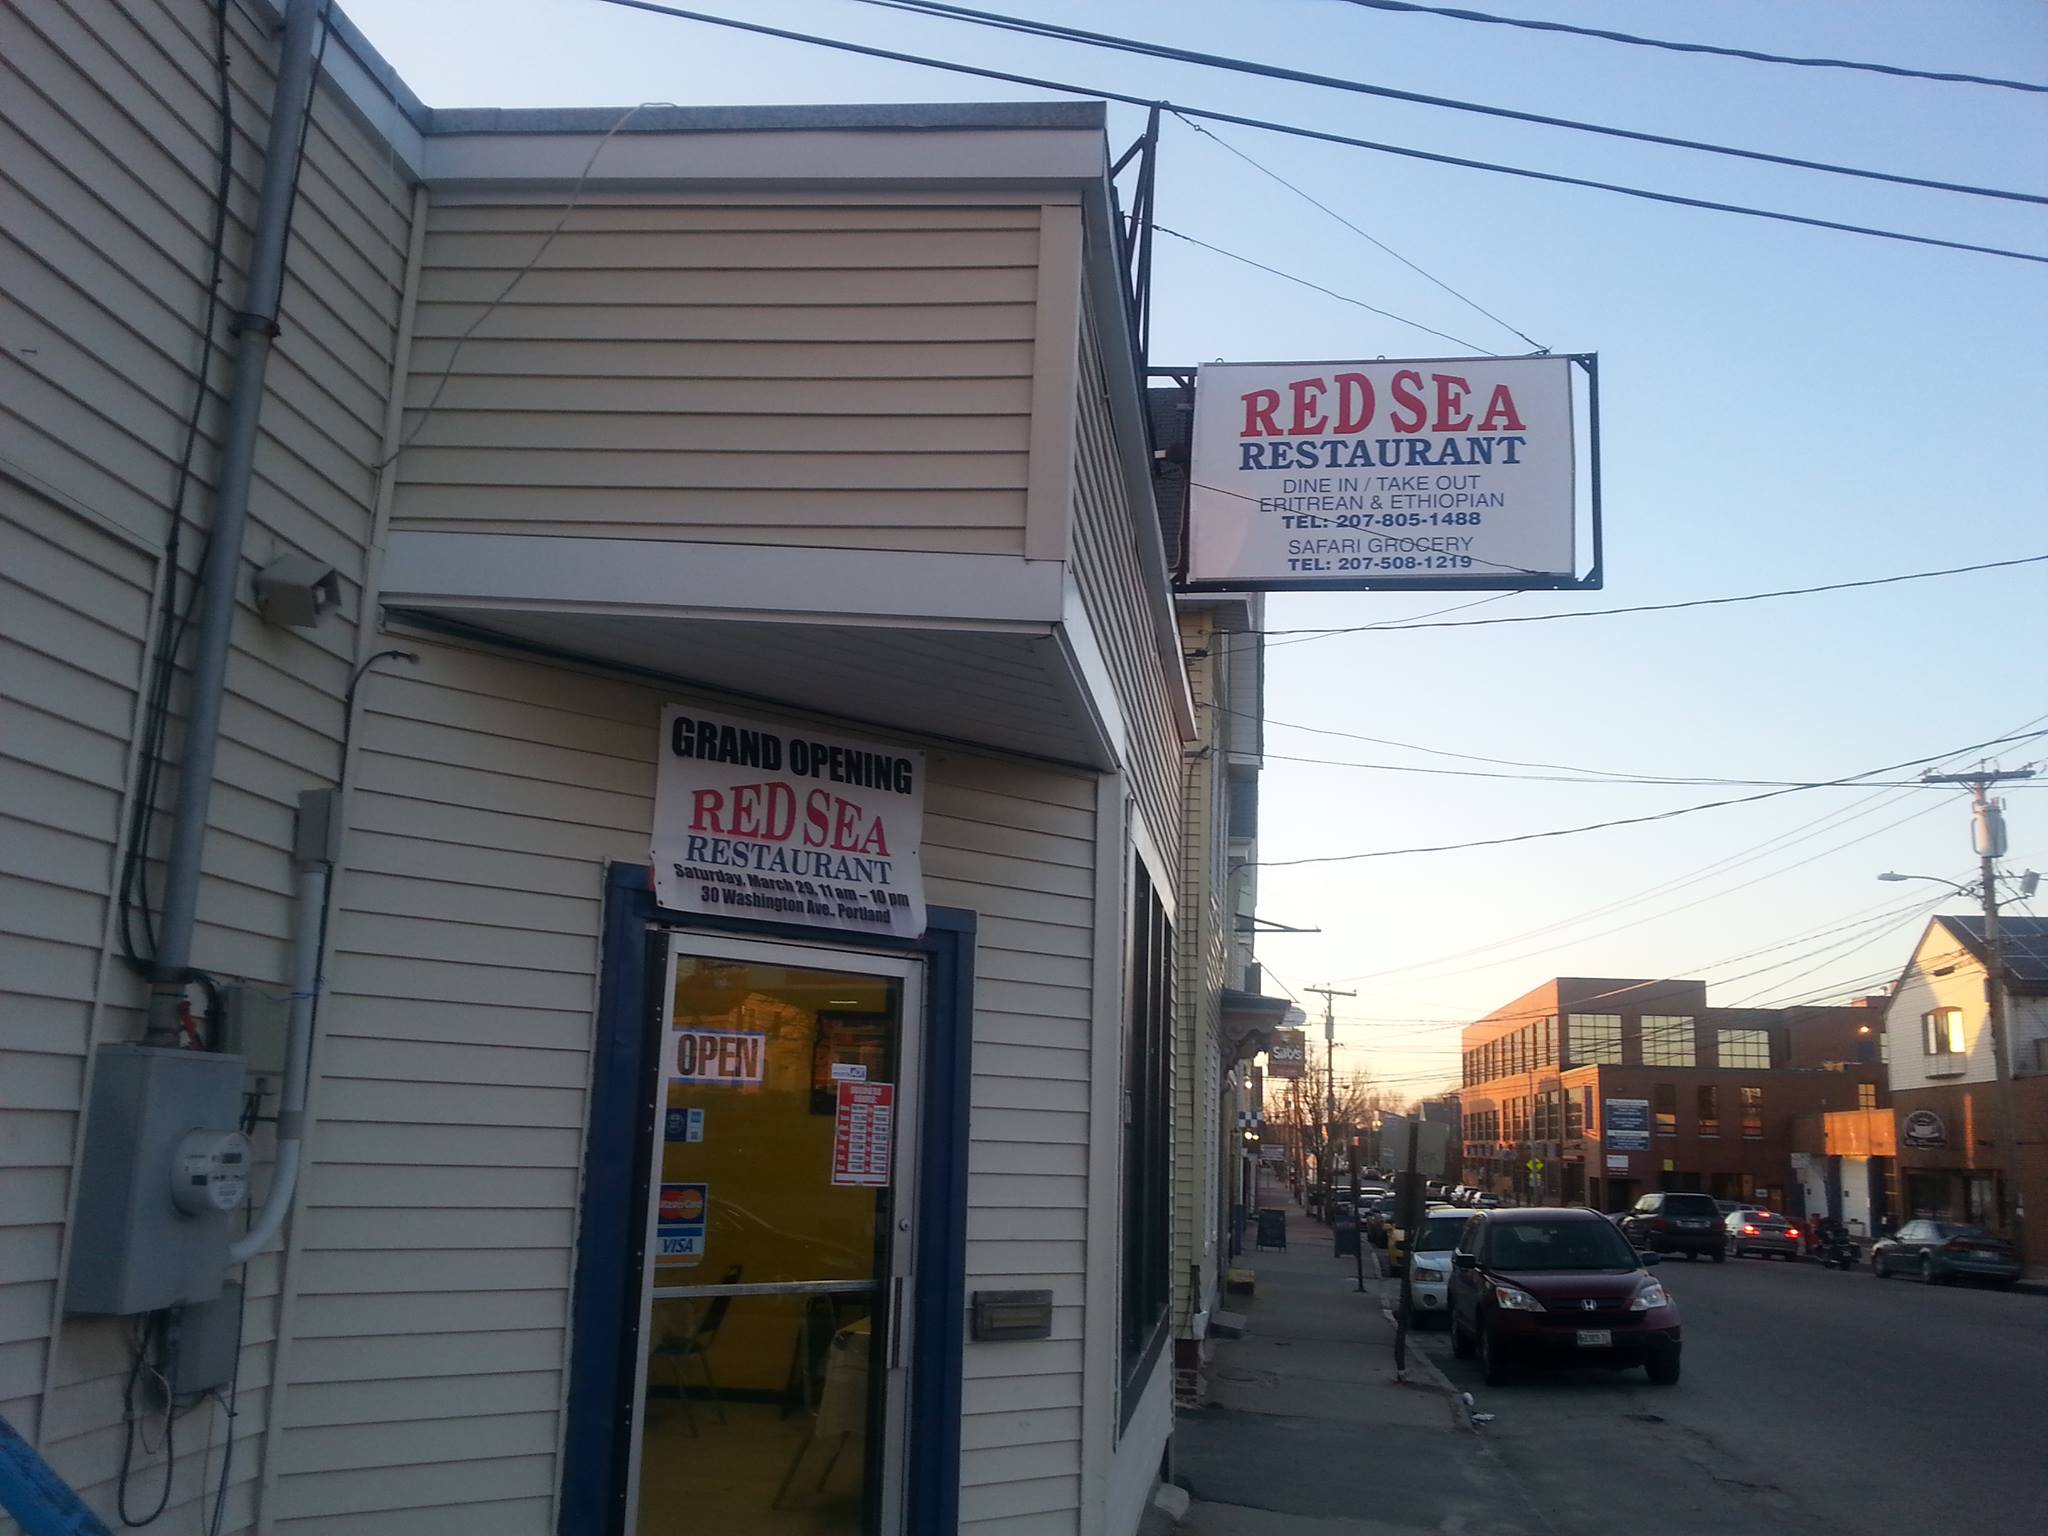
1309	1433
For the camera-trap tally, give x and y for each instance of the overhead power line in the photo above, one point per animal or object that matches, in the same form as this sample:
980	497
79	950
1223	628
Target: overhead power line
1669	46
1691	602
1208	114
1031	27
1669	781
1342	298
1631	821
1634	901
1364	234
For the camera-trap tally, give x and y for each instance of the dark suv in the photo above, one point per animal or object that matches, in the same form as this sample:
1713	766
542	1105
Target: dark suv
1673	1222
1561	1285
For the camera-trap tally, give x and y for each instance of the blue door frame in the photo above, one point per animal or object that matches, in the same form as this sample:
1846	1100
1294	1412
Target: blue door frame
611	1234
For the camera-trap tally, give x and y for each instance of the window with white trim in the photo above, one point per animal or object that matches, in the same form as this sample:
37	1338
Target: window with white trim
1148	1125
1942	1040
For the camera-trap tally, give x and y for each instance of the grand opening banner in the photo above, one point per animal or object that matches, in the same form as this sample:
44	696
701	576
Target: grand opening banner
787	826
1448	473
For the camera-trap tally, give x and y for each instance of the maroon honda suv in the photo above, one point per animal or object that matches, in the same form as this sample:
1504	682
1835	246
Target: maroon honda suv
1562	1286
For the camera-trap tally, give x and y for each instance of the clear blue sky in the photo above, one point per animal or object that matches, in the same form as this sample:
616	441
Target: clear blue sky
1782	407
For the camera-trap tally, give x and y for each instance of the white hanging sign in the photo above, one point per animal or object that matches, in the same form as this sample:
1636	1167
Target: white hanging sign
777	825
1449	472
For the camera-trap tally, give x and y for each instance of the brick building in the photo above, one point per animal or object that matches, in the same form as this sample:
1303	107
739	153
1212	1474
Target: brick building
1592	1090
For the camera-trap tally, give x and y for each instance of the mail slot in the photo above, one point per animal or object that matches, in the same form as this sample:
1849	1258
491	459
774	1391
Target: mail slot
1012	1315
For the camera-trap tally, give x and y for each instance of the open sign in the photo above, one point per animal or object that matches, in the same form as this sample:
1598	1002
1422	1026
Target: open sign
716	1056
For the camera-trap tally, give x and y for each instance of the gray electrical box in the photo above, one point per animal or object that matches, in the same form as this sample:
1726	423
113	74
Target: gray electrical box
209	1334
255	1022
154	1201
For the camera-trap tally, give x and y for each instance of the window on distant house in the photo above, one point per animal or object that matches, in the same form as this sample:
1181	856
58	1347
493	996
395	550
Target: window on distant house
1941	1032
1666	1103
1745	1048
1866	1095
1667	1040
1148	1149
1575	1114
1549	1043
1753	1114
1593	1039
1709	1110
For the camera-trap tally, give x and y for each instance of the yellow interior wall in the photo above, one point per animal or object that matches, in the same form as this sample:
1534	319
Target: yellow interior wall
766	1162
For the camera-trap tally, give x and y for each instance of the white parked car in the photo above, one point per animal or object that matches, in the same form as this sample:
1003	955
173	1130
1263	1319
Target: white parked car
1429	1261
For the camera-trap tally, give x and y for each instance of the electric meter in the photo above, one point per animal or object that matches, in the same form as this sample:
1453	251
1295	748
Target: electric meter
210	1172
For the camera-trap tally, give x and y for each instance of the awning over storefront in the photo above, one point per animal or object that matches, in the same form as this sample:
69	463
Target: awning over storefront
1249	1019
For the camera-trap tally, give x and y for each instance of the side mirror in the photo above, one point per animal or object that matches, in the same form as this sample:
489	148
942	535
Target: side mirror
1465	1260
1650	1260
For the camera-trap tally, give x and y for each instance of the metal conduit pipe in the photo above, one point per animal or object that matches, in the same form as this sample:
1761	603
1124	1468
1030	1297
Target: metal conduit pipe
291	1100
218	579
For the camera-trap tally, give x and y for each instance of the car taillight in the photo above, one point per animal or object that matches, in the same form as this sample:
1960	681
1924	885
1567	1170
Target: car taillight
1749	1231
1791	1231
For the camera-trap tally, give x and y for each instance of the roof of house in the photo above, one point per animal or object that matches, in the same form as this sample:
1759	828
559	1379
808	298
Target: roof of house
2022	943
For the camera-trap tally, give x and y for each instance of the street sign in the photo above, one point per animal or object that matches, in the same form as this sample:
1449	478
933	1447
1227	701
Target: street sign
1534	1165
1432	1140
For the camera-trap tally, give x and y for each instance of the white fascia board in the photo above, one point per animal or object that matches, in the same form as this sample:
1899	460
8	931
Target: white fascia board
1086	661
927	158
372	93
666	577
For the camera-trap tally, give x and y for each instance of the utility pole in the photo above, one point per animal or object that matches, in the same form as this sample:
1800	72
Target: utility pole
1988	834
1327	994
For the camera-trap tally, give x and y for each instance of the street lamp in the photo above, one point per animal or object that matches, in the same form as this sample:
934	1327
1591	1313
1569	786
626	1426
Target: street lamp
1960	890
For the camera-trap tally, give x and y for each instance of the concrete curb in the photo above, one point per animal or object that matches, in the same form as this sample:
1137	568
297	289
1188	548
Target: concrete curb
1420	1364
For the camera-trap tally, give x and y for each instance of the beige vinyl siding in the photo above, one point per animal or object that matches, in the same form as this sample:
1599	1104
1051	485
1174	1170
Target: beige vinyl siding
74	602
1028	1156
849	374
1203	940
107	139
437	1224
1112	583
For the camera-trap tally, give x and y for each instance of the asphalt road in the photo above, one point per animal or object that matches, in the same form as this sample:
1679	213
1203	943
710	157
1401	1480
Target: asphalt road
1812	1401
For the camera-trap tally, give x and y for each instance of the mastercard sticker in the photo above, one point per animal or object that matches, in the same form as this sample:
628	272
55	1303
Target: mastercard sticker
680	1224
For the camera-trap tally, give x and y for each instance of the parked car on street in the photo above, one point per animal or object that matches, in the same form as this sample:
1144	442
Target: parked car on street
1429	1278
1562	1286
1397	1239
1677	1221
1752	1230
1378	1219
1940	1252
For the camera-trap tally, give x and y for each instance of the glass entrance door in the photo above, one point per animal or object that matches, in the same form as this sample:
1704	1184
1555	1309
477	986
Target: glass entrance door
775	1326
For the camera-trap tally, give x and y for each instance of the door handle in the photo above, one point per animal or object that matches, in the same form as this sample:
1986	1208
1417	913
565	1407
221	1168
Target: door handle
896	1323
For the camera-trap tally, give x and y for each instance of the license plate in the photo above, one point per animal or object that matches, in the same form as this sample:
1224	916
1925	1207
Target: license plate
1596	1338
1692	1226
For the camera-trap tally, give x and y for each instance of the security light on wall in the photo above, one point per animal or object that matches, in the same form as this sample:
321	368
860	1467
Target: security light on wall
294	590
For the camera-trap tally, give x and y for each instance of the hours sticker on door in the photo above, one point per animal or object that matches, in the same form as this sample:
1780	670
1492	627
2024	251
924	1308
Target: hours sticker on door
863	1133
716	1056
